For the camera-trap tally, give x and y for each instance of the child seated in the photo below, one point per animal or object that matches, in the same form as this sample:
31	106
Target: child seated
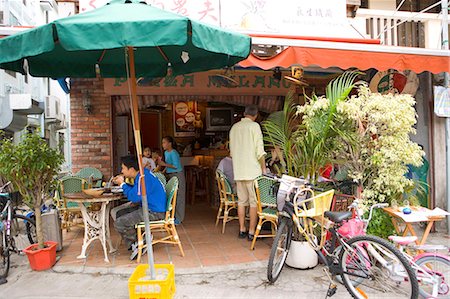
147	160
156	157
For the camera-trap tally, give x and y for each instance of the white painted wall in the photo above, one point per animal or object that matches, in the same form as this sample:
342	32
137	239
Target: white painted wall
382	4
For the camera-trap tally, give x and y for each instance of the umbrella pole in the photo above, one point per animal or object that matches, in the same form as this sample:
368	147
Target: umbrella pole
137	137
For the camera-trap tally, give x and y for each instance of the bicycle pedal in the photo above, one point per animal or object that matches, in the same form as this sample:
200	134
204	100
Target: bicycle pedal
331	290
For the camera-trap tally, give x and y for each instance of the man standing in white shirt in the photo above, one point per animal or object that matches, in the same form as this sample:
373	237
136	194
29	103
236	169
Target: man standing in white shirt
247	151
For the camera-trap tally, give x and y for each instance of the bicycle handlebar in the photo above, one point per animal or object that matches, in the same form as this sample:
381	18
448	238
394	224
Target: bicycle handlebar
2	188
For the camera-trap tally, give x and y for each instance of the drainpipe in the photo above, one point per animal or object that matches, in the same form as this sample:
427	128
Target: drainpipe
444	4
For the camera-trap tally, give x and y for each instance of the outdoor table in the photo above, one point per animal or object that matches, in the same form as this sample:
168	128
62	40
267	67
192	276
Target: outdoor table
96	223
419	214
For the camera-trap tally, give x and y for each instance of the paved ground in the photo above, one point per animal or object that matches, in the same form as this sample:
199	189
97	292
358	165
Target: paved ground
237	281
225	281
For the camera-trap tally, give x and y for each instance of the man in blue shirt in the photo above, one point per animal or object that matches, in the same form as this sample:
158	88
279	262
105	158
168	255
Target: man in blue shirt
156	198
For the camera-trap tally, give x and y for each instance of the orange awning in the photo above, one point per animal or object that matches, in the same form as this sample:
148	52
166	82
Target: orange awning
345	56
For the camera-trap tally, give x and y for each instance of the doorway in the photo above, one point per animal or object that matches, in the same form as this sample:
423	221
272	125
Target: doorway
151	129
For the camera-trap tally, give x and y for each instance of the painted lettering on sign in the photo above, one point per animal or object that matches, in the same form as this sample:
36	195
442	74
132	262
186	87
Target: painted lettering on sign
254	82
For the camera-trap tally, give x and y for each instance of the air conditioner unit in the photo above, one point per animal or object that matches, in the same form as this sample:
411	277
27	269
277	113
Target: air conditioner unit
52	107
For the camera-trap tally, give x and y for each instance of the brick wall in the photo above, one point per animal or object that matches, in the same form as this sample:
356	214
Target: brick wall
91	134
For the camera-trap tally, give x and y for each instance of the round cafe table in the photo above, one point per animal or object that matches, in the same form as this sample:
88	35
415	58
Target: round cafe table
96	222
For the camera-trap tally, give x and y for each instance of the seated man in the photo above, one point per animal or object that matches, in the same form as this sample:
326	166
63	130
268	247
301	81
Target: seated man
156	197
226	166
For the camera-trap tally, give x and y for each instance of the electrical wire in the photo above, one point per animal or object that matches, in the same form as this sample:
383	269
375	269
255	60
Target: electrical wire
408	19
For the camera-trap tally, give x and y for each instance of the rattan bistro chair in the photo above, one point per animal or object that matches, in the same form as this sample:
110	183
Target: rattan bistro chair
161	178
266	207
90	172
228	200
165	226
69	210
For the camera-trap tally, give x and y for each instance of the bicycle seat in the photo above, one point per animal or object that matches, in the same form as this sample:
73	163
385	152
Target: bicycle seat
403	240
338	217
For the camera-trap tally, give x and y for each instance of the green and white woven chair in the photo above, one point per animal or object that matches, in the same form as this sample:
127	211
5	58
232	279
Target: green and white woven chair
228	200
161	178
88	172
70	211
266	207
165	226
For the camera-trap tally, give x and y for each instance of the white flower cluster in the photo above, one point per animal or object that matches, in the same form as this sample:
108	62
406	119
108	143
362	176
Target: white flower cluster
373	139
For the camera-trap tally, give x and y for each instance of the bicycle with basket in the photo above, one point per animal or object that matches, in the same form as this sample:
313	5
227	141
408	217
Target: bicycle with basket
368	266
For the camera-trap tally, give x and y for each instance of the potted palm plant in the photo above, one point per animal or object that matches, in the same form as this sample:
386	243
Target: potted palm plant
31	166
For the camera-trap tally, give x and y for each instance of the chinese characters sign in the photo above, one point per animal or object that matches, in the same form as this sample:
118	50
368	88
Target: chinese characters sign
321	18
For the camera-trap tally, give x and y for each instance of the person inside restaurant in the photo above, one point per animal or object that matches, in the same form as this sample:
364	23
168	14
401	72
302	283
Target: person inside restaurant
156	197
172	162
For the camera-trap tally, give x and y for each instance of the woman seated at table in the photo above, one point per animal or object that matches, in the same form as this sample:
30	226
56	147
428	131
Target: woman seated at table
156	197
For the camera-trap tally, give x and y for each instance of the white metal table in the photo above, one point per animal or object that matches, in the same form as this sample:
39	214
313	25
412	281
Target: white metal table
96	222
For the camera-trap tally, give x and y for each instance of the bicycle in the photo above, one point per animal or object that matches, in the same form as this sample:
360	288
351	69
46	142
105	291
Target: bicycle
17	231
432	268
367	265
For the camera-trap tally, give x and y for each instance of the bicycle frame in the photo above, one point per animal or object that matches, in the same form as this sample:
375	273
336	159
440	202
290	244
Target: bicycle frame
7	210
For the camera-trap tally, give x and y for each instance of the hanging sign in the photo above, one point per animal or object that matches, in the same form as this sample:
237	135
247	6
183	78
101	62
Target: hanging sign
393	81
205	83
442	101
183	118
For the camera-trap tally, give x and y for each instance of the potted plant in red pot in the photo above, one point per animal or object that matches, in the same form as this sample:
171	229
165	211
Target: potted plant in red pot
31	165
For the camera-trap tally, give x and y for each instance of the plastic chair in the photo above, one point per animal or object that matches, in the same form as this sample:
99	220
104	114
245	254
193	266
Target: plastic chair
266	207
228	200
165	226
90	172
69	209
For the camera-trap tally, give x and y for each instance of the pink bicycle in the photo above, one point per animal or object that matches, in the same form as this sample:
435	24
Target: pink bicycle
431	267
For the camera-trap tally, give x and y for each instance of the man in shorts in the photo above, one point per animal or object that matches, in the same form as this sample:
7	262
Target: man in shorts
247	151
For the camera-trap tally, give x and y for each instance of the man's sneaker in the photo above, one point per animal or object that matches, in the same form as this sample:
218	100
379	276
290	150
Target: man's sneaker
134	253
133	246
177	222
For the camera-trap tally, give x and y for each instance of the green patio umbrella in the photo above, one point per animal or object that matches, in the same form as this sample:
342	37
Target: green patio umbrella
124	38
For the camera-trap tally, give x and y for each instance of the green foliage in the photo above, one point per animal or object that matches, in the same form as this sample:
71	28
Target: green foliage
307	142
378	148
381	225
31	166
279	130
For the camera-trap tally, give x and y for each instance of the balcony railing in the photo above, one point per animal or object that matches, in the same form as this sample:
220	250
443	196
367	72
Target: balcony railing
398	28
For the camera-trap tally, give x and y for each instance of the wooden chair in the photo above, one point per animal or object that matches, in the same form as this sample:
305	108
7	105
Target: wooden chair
228	200
266	208
69	210
341	202
165	226
90	172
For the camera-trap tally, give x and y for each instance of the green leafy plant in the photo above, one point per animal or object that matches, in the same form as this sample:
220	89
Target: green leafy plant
305	133
279	130
31	166
381	225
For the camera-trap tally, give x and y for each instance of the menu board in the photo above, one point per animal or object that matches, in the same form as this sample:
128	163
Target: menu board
183	118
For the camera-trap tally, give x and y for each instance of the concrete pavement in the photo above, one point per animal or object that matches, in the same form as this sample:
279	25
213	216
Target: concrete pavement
230	281
234	281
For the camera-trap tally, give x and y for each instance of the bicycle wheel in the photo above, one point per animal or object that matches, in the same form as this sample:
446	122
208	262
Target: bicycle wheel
31	230
374	268
439	268
280	249
4	254
23	232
